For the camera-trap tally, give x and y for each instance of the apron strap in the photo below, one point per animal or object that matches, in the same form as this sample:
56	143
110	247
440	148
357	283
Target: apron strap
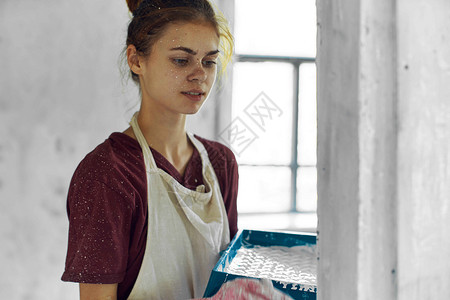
149	163
201	150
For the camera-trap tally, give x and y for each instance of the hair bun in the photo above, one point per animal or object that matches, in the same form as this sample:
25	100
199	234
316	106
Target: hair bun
133	5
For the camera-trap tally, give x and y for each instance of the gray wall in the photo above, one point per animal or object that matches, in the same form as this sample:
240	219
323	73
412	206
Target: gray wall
383	149
61	94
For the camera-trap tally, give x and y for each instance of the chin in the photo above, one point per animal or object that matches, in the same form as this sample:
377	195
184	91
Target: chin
193	110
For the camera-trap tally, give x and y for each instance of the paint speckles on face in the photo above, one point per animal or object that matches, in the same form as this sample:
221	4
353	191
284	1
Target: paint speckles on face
180	63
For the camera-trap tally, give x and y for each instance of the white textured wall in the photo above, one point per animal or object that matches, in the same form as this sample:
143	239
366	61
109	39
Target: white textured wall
424	149
61	94
383	149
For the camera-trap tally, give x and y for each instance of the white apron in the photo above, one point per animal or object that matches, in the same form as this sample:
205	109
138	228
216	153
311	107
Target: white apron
186	231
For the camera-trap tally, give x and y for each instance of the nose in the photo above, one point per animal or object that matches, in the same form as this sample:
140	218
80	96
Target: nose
198	73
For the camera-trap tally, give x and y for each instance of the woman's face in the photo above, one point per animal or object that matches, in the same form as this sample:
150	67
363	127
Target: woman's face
180	71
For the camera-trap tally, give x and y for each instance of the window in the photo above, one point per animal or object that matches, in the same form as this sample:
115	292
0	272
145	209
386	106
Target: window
273	129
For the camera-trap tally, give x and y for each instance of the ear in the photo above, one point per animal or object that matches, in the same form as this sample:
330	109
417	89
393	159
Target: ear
133	60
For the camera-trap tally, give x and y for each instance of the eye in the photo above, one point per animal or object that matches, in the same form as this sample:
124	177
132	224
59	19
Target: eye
209	63
180	61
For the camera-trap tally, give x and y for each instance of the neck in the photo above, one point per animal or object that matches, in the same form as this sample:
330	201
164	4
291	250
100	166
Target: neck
164	132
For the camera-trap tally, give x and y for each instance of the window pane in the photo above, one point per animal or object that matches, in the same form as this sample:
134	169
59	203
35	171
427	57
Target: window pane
307	189
282	27
264	189
307	115
262	100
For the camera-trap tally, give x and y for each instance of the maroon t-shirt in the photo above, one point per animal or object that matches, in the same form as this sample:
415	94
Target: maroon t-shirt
107	208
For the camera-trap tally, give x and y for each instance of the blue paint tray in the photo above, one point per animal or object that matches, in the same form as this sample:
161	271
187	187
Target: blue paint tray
248	239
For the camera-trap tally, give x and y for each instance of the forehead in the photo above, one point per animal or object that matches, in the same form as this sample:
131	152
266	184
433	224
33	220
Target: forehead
198	37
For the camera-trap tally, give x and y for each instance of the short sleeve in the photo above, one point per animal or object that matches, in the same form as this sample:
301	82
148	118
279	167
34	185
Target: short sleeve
99	233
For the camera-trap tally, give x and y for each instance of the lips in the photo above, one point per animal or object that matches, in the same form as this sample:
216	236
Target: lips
194	95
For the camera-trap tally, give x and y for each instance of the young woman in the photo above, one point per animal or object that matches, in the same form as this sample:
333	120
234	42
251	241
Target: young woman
151	208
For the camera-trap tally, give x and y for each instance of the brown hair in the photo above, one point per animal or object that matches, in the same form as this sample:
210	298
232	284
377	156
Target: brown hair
150	18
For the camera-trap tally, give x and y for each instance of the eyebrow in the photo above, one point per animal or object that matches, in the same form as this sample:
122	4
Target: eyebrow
190	51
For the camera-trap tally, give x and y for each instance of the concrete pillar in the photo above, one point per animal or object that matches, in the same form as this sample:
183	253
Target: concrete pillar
337	71
423	149
383	149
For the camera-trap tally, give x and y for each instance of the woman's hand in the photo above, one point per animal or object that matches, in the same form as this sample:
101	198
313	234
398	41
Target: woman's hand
249	289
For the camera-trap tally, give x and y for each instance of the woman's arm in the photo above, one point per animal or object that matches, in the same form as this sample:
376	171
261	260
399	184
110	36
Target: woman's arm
98	291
